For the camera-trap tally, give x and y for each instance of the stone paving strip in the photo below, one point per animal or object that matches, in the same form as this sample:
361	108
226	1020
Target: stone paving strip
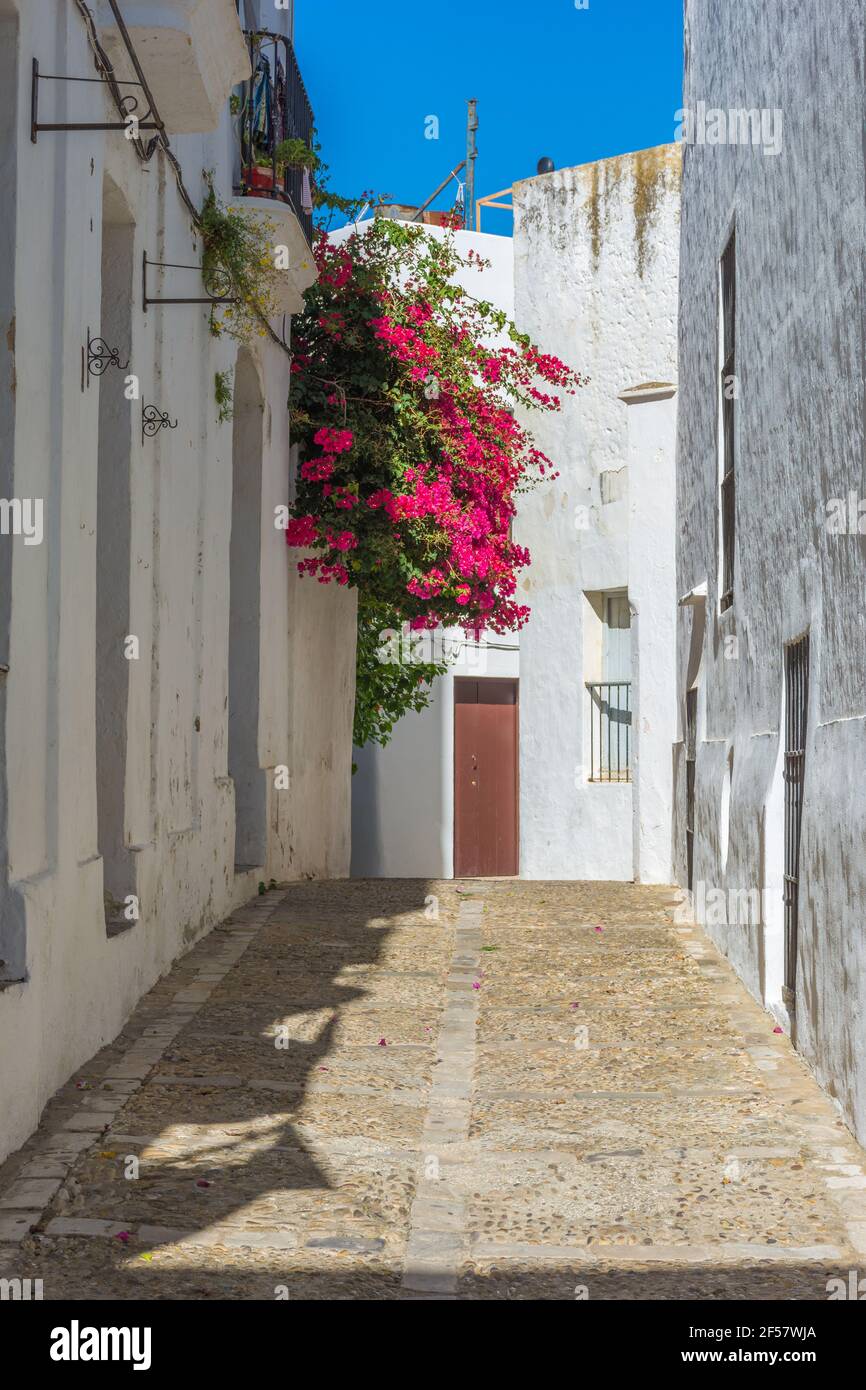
532	1090
437	1237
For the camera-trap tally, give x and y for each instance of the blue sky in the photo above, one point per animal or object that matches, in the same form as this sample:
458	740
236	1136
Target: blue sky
551	79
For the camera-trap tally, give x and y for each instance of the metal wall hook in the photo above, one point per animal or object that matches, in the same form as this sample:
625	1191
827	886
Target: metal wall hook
128	104
96	358
220	280
153	420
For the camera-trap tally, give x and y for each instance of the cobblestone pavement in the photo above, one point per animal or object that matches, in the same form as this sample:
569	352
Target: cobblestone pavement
403	1090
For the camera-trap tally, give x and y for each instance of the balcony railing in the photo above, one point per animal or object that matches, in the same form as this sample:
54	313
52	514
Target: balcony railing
609	731
276	108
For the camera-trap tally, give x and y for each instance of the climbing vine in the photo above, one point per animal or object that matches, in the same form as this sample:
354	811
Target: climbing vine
404	392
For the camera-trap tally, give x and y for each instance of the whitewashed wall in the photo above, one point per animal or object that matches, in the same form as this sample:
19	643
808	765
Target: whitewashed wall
595	257
403	794
68	987
800	218
652	424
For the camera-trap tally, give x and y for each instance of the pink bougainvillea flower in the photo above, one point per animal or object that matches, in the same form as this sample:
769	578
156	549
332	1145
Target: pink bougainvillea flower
317	470
574	1006
405	414
599	928
476	984
777	1029
383	1042
334	441
301	530
123	1236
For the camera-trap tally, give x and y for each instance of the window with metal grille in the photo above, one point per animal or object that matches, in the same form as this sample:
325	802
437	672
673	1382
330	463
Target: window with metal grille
796	721
727	409
610	712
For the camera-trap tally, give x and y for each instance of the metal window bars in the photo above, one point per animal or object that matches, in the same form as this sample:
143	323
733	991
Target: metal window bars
609	731
275	108
796	722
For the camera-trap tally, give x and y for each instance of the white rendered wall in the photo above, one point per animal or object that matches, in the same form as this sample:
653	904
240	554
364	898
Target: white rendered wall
178	827
652	592
596	257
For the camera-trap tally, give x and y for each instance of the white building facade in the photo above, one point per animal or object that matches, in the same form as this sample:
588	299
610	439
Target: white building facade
596	258
771	812
175	703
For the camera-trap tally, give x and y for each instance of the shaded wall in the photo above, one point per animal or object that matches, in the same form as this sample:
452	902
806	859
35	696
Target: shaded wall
800	229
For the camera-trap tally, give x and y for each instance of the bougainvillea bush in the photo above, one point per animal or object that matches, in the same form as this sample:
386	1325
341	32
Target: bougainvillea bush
411	455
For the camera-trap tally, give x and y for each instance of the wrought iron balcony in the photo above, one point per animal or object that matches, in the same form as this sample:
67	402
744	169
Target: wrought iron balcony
609	731
276	109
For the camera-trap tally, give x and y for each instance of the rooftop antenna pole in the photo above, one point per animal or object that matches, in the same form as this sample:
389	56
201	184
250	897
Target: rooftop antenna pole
471	156
416	216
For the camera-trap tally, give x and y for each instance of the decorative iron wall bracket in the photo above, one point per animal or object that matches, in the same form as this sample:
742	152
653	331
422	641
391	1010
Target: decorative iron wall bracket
128	106
147	299
96	358
153	420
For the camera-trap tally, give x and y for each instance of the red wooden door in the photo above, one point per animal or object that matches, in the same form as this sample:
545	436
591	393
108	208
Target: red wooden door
485	778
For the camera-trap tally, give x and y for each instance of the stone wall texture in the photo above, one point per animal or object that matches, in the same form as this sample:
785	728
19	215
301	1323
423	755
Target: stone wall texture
800	218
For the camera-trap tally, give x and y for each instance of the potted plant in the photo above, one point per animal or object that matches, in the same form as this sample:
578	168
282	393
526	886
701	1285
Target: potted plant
268	171
261	174
296	154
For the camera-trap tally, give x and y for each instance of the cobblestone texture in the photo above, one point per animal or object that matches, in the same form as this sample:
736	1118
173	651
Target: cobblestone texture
404	1090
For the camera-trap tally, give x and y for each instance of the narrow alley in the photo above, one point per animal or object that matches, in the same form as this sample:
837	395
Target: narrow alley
404	1090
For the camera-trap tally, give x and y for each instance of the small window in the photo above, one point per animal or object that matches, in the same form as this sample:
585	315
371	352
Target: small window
610	698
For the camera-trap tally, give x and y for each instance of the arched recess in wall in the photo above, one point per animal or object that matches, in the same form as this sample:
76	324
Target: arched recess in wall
245	617
725	811
113	548
695	603
12	942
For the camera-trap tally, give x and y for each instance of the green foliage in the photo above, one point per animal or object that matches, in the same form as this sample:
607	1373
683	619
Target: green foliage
296	154
386	690
411	456
224	396
238	264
